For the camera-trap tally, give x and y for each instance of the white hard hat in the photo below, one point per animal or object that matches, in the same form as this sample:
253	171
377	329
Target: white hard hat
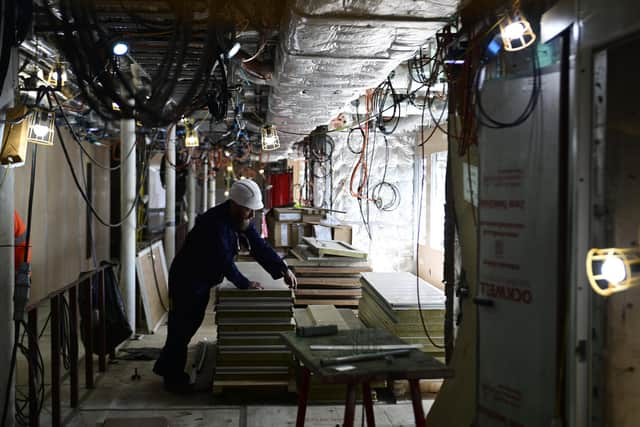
246	193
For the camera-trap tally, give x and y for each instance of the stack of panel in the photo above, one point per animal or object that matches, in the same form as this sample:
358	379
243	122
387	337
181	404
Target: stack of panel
328	280
250	351
390	301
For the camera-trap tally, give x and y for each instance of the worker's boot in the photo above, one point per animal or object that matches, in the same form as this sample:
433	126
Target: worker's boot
178	384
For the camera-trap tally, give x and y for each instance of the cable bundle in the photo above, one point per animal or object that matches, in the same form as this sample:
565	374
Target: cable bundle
381	94
86	44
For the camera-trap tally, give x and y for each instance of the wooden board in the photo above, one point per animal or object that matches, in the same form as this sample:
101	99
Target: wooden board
255	273
325	315
151	272
330	271
327	292
349	318
330	281
334	247
337	302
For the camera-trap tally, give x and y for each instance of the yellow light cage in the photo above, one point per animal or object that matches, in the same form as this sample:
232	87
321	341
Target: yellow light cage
624	274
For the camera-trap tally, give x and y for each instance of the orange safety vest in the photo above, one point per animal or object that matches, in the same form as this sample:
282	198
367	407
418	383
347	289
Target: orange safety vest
20	240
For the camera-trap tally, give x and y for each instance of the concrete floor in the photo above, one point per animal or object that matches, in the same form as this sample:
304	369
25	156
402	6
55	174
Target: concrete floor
117	395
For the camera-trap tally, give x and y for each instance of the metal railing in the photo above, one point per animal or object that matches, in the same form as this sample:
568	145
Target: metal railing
84	285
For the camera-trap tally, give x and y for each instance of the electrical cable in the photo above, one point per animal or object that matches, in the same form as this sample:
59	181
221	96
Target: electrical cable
394	203
83	194
84	150
380	96
17	321
485	119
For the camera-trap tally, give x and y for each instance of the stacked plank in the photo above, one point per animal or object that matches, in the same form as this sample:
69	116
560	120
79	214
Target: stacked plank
250	352
390	301
327	279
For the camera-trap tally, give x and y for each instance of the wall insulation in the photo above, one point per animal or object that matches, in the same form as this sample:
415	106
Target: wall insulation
392	243
331	51
59	228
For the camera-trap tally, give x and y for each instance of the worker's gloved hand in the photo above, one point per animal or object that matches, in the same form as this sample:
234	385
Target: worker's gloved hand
290	279
255	285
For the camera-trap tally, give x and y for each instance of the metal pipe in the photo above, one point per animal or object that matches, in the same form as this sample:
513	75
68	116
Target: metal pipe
191	194
6	281
205	184
55	362
128	227
170	207
212	192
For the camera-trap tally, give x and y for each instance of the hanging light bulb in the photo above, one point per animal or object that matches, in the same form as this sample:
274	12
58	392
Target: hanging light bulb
41	128
229	168
261	171
226	193
515	30
613	270
270	140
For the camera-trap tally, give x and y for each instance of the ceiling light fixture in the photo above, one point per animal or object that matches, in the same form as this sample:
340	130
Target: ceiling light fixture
270	140
613	270
120	48
515	30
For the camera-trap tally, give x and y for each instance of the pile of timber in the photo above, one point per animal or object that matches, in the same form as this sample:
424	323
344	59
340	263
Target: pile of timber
344	319
326	279
390	301
250	351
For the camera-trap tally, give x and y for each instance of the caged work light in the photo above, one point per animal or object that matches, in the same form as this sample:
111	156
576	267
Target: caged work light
515	30
613	270
270	140
53	76
41	126
191	135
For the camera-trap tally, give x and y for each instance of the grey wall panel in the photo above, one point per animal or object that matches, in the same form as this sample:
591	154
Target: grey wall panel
59	215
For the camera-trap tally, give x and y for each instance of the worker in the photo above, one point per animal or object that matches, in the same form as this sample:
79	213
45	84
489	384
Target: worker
207	257
20	241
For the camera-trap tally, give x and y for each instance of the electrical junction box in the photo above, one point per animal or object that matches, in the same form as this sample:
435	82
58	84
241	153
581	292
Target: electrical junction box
13	151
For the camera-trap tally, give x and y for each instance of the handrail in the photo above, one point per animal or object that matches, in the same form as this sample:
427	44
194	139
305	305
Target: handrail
76	282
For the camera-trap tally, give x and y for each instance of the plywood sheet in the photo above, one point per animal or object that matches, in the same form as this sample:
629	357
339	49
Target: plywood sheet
151	271
255	273
334	247
325	315
400	290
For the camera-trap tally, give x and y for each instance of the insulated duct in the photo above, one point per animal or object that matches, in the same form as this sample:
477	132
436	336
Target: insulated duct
331	51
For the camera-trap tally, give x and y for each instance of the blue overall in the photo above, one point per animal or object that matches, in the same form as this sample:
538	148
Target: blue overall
205	259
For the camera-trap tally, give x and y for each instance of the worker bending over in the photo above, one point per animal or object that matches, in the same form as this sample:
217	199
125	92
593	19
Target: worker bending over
205	259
